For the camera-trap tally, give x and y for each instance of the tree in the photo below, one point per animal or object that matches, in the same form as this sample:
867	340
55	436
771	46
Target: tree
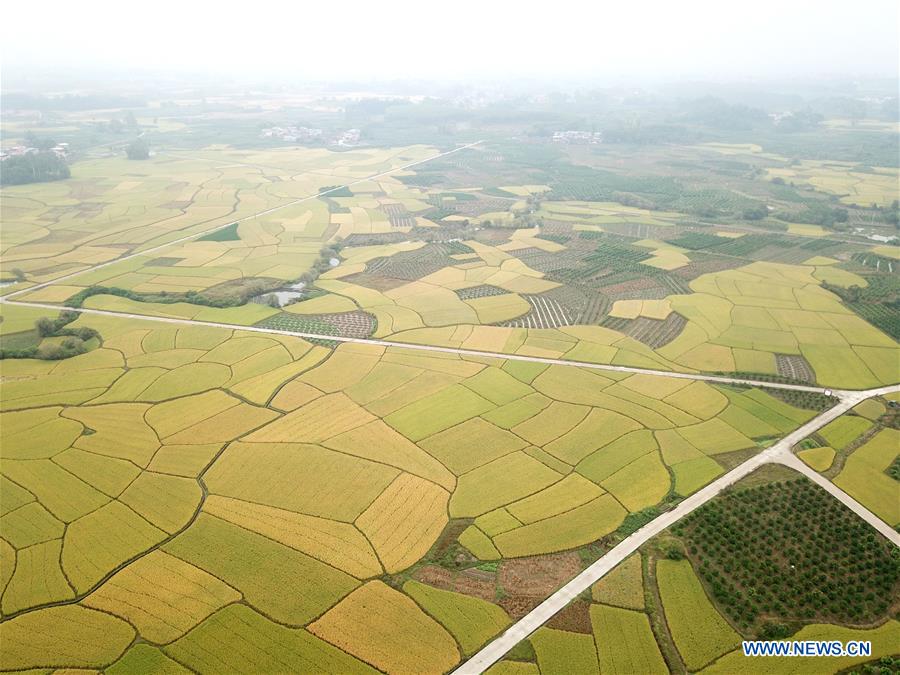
757	212
34	167
138	149
32	140
45	327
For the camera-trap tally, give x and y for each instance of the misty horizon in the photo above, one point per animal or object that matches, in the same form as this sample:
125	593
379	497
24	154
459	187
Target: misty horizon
565	44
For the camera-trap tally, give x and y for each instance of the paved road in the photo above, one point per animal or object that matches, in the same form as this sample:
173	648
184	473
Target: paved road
791	460
265	212
780	452
433	348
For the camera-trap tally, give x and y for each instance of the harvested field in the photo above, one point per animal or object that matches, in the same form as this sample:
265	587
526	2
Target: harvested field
473	582
538	576
574	617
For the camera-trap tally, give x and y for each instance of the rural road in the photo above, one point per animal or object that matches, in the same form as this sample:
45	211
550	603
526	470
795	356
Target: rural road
780	453
265	212
386	343
719	379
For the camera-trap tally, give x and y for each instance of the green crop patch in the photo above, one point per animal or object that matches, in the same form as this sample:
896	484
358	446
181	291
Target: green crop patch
700	633
625	643
471	621
559	652
227	233
438	412
868	475
262	570
844	430
238	639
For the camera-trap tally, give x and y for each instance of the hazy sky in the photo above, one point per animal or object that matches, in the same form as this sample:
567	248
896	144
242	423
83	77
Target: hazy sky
684	39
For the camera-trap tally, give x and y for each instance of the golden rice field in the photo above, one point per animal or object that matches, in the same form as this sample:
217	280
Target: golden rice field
193	442
737	320
876	185
111	208
344	473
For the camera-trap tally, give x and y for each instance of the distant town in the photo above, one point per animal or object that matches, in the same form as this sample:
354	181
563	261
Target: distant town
578	137
61	150
294	134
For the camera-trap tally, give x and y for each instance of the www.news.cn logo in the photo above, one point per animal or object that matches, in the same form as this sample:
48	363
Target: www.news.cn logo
806	648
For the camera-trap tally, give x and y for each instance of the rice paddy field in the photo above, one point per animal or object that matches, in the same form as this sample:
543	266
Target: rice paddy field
379	259
291	502
859	452
679	604
876	185
190	443
114	208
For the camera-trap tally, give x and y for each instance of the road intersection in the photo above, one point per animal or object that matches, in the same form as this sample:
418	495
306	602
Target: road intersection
779	453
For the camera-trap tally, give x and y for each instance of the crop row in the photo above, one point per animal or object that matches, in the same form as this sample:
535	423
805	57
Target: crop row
788	550
344	324
651	332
